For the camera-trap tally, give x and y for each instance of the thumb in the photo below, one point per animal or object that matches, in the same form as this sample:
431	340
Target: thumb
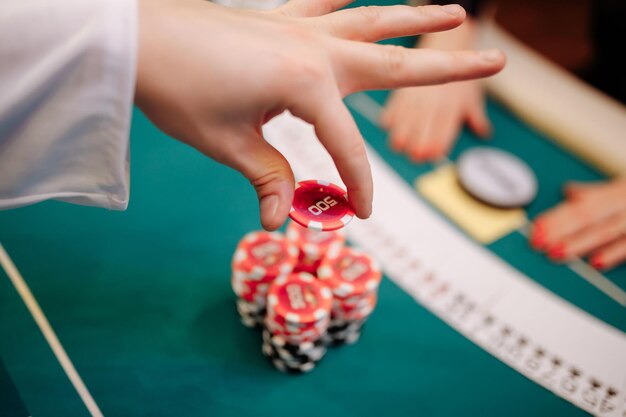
270	174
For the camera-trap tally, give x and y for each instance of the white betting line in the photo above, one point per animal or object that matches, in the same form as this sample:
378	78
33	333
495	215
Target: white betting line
370	110
52	339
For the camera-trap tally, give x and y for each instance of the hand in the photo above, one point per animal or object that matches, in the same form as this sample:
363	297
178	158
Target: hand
424	122
591	221
211	76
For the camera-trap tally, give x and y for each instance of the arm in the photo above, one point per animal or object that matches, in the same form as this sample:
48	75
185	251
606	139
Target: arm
212	76
67	72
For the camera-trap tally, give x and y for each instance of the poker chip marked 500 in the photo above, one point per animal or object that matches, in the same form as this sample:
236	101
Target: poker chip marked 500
320	205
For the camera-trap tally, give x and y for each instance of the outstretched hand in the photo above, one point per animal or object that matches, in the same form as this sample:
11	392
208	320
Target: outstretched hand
424	122
591	221
211	76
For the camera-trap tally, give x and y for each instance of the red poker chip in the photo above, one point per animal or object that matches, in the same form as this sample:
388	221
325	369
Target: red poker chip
314	244
364	309
263	256
288	329
295	327
309	336
279	326
320	205
249	290
349	272
363	302
305	265
299	298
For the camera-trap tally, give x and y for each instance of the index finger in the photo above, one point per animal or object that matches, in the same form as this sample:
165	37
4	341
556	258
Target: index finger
338	132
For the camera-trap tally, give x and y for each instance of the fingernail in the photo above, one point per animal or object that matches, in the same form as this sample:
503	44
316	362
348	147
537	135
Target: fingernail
269	205
453	9
538	236
597	262
488	133
557	252
396	145
537	241
538	227
417	156
436	155
490	55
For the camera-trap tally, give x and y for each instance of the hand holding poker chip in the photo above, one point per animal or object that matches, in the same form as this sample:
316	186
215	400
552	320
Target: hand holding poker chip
320	205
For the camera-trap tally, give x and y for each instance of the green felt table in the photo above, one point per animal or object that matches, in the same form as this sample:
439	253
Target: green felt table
141	302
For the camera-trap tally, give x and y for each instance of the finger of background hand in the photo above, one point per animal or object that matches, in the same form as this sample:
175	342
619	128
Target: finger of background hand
448	130
385	119
363	66
373	23
555	225
593	237
611	255
399	118
477	120
387	116
400	129
420	134
338	132
574	189
310	8
270	174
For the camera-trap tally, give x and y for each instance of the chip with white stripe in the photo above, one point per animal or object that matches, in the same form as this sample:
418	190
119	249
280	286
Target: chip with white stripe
320	205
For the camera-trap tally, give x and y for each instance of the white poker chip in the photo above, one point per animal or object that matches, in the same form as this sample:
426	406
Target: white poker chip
496	177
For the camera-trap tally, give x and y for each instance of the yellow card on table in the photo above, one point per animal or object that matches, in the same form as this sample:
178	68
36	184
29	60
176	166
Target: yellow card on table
484	223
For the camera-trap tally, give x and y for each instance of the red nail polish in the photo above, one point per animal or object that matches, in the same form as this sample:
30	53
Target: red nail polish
597	262
538	236
537	241
557	252
436	154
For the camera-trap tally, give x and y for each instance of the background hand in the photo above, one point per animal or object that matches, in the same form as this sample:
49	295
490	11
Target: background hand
591	221
424	122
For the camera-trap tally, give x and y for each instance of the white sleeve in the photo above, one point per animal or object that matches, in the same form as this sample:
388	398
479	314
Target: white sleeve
67	80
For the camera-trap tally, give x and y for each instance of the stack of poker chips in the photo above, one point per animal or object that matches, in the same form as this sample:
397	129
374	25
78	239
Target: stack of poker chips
305	290
298	315
353	278
260	258
313	245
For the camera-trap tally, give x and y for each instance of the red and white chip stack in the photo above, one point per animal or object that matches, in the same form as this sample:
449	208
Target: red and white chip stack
306	290
260	258
298	315
313	245
353	278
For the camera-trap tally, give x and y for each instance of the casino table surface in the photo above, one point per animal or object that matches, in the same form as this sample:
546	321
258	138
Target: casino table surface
141	302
